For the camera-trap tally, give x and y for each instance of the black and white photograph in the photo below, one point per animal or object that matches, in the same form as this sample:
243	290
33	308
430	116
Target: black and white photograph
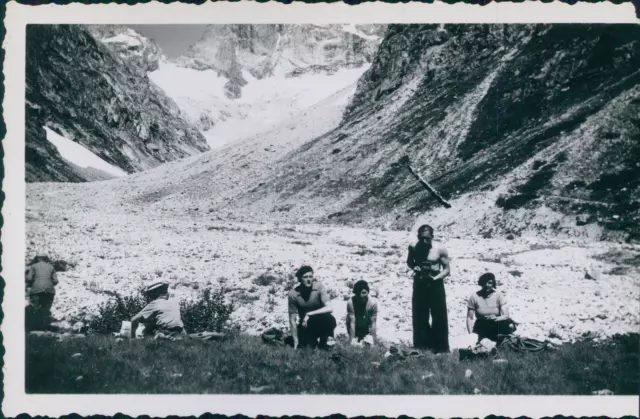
378	208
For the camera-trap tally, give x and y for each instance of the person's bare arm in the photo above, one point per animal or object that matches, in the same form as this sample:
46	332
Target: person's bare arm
504	313
374	333
54	278
326	307
444	261
293	318
351	321
470	316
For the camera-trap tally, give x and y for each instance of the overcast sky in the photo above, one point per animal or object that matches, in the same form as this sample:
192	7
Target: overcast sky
173	39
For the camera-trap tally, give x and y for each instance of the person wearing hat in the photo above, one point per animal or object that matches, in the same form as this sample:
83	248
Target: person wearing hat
161	316
40	280
308	302
489	307
362	312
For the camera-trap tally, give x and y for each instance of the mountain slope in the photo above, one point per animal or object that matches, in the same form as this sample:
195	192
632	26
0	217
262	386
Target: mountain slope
534	120
238	80
80	90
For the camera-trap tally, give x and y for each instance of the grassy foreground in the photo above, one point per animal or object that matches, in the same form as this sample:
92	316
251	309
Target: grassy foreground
99	364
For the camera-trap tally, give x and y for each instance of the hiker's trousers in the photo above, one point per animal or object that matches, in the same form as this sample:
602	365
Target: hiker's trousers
320	326
429	301
492	330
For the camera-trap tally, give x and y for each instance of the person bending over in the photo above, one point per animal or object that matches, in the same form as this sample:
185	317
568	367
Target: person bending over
310	316
489	307
41	280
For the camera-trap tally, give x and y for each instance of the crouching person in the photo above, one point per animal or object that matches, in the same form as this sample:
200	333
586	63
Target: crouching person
310	316
489	307
362	312
161	316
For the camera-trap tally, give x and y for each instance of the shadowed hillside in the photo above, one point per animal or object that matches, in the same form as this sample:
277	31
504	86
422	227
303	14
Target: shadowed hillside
82	91
531	117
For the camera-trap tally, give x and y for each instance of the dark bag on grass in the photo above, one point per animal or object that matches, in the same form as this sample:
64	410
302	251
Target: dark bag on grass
275	336
519	344
477	352
272	336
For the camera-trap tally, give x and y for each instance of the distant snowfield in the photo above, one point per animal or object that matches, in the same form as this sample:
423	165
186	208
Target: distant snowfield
80	155
264	103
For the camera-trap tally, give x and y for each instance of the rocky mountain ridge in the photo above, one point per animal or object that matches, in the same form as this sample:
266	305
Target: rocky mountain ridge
142	53
83	91
265	50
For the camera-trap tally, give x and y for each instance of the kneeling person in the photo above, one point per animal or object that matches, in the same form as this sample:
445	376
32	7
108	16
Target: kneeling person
308	303
362	312
161	316
490	309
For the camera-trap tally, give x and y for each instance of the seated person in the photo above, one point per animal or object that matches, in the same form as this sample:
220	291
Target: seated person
362	311
308	304
161	316
490	309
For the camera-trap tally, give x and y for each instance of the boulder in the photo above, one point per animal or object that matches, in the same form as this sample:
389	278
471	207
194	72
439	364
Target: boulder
79	327
592	273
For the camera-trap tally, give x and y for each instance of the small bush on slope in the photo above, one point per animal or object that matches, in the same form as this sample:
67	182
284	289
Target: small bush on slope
209	312
112	313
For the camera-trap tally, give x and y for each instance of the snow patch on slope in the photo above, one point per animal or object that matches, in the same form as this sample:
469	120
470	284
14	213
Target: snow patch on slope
80	155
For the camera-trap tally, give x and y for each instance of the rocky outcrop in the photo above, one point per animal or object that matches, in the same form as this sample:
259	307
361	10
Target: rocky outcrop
143	54
531	117
266	50
80	89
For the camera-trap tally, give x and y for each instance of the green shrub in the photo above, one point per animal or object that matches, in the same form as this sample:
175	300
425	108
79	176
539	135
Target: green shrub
112	313
209	312
265	280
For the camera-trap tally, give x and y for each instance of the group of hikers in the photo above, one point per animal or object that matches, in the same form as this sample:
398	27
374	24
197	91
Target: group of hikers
310	314
312	323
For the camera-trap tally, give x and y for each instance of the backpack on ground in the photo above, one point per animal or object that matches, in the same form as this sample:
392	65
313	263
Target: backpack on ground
519	344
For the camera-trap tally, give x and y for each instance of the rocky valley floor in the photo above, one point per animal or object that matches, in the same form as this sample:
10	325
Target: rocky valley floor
560	288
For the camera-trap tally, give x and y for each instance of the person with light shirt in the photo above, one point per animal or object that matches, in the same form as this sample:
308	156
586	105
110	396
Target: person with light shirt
489	307
41	280
161	316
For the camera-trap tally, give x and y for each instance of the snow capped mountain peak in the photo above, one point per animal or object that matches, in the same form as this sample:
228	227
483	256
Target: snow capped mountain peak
239	79
268	50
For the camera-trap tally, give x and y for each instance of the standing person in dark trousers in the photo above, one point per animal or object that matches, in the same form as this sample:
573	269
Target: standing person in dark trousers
41	279
308	303
430	262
